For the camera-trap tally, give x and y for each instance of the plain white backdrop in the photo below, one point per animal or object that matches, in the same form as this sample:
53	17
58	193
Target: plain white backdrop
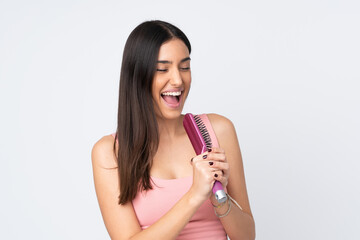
286	73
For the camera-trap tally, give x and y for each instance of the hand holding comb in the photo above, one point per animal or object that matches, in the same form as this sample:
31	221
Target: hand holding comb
201	142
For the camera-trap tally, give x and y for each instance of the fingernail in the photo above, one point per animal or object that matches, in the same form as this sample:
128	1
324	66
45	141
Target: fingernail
209	150
215	175
191	159
205	156
211	163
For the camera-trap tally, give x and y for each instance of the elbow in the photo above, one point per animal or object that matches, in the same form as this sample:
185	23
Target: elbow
248	234
253	231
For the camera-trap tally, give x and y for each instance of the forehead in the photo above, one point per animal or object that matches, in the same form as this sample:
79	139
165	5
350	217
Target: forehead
173	50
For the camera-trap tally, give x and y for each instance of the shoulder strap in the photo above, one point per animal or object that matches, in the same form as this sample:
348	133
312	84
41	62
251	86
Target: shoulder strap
114	135
209	128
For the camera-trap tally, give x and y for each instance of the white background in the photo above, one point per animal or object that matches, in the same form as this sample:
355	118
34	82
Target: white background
285	72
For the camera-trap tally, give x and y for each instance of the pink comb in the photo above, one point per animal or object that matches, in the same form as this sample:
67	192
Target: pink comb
201	142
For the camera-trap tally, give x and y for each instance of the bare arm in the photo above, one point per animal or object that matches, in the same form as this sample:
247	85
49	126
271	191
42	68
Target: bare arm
238	224
121	221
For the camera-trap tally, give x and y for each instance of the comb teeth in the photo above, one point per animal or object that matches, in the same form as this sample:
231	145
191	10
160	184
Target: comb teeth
204	132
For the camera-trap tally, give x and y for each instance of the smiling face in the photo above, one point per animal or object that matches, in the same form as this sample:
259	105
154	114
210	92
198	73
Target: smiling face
172	79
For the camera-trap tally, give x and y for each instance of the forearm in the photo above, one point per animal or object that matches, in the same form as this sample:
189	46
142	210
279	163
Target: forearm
238	224
170	225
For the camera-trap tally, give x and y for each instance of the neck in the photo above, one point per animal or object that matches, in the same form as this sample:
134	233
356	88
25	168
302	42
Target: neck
170	128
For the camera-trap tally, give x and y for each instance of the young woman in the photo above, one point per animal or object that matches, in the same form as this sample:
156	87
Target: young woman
148	181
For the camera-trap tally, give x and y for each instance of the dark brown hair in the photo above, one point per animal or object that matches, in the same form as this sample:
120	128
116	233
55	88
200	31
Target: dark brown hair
137	129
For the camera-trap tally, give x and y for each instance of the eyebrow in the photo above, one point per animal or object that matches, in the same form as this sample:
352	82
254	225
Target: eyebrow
170	62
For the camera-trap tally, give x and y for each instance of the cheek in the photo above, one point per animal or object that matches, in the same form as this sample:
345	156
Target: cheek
188	81
186	77
187	84
155	88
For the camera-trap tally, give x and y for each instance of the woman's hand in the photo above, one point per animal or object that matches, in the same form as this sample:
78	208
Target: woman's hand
207	168
220	166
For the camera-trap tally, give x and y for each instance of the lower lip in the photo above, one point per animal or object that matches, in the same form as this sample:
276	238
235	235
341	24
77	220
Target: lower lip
174	106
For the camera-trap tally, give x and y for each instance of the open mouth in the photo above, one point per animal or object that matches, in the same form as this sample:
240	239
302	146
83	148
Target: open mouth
172	98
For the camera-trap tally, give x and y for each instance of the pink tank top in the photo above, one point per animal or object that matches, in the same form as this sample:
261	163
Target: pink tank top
151	205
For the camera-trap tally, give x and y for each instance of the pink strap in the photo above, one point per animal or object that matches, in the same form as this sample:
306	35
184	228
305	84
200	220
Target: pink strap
208	125
113	134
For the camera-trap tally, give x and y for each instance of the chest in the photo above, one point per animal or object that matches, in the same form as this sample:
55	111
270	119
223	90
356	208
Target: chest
172	159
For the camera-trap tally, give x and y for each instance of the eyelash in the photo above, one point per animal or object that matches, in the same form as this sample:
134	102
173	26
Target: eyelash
164	70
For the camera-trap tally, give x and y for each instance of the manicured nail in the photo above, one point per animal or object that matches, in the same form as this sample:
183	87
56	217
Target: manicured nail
215	175
209	150
205	156
211	163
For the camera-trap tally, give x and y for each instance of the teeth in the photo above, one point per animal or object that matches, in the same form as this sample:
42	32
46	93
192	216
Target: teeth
171	93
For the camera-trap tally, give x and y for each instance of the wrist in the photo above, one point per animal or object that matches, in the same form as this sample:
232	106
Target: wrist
216	204
221	208
224	209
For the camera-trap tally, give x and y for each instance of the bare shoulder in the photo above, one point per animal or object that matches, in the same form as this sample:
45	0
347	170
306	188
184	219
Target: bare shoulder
226	135
221	125
103	154
218	118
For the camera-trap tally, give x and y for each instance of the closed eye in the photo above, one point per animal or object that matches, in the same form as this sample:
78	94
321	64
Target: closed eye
165	70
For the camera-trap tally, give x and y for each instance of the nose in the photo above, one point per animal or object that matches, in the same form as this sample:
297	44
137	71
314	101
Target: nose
176	79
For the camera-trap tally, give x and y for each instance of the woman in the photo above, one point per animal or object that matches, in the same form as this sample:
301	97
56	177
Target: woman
149	183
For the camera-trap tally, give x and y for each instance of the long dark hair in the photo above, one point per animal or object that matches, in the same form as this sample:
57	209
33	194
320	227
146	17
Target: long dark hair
137	129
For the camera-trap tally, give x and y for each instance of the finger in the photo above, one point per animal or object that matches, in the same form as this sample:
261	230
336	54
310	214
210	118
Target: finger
219	166
218	175
216	157
216	150
203	168
198	158
226	173
224	166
